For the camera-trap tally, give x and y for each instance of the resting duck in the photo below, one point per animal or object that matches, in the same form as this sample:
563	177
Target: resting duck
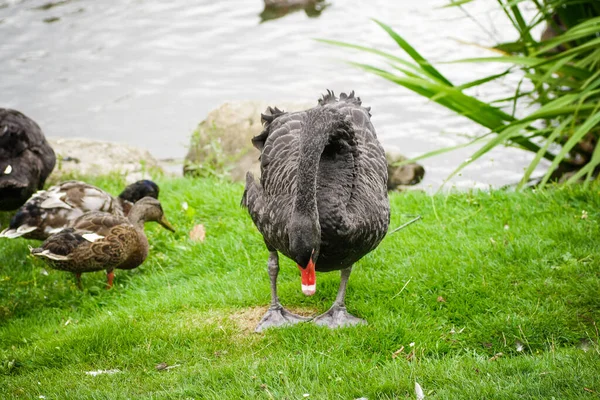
102	241
26	159
49	211
322	198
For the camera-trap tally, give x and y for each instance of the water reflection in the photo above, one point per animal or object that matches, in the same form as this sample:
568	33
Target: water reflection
275	9
145	72
52	4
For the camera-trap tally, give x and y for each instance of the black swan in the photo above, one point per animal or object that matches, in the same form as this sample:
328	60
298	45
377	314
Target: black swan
49	211
322	199
26	159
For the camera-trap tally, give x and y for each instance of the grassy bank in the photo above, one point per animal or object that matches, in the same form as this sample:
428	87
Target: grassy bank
481	274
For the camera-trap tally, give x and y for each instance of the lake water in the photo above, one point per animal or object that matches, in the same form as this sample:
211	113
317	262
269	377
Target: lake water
145	72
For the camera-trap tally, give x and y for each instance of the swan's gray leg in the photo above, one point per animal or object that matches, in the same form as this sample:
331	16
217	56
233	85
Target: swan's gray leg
276	315
337	315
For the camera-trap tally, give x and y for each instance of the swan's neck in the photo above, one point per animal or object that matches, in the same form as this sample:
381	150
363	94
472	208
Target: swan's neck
308	169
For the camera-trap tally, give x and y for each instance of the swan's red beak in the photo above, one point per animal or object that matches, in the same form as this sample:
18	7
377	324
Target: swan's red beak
309	278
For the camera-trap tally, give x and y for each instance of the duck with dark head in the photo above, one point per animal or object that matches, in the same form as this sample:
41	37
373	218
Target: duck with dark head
322	197
49	211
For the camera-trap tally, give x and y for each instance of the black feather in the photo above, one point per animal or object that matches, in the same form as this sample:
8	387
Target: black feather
334	146
26	154
139	190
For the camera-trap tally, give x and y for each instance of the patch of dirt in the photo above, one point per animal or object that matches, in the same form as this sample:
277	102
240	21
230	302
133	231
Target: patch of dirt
246	319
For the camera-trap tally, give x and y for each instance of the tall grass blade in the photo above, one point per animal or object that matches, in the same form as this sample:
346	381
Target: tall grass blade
426	65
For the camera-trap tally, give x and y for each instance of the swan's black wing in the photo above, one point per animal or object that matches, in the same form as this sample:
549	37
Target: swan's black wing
270	201
366	211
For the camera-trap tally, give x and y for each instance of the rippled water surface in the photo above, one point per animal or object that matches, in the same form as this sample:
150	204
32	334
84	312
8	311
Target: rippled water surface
146	72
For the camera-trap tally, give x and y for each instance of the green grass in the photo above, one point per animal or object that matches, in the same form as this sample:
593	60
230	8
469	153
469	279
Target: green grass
483	273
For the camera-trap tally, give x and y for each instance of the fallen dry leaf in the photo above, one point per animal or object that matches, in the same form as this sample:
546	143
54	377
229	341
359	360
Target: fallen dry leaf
440	299
161	366
198	233
496	356
398	352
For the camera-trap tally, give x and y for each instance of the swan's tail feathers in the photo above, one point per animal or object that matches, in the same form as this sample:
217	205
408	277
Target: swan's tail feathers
266	118
15	233
270	114
350	98
330	98
259	141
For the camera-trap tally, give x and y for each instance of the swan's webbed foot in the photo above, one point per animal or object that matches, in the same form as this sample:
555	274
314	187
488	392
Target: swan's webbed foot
337	317
278	316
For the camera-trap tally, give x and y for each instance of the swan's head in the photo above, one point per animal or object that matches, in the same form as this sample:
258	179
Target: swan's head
305	238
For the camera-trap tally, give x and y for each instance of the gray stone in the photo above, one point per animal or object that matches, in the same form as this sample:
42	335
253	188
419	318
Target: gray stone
403	175
93	157
221	145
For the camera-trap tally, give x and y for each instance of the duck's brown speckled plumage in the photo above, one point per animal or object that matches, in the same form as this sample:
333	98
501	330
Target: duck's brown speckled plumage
123	247
26	158
49	211
322	198
102	241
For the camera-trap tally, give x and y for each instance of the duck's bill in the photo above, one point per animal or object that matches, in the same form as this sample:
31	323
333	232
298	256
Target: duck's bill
166	224
309	278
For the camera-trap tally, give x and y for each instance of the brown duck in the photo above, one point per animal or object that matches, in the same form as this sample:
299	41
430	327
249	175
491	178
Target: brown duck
49	211
102	241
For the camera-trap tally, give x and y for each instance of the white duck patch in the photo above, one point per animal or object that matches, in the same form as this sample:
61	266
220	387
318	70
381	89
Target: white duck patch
94	199
51	231
48	254
23	229
8	170
15	233
55	200
92	237
9	233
